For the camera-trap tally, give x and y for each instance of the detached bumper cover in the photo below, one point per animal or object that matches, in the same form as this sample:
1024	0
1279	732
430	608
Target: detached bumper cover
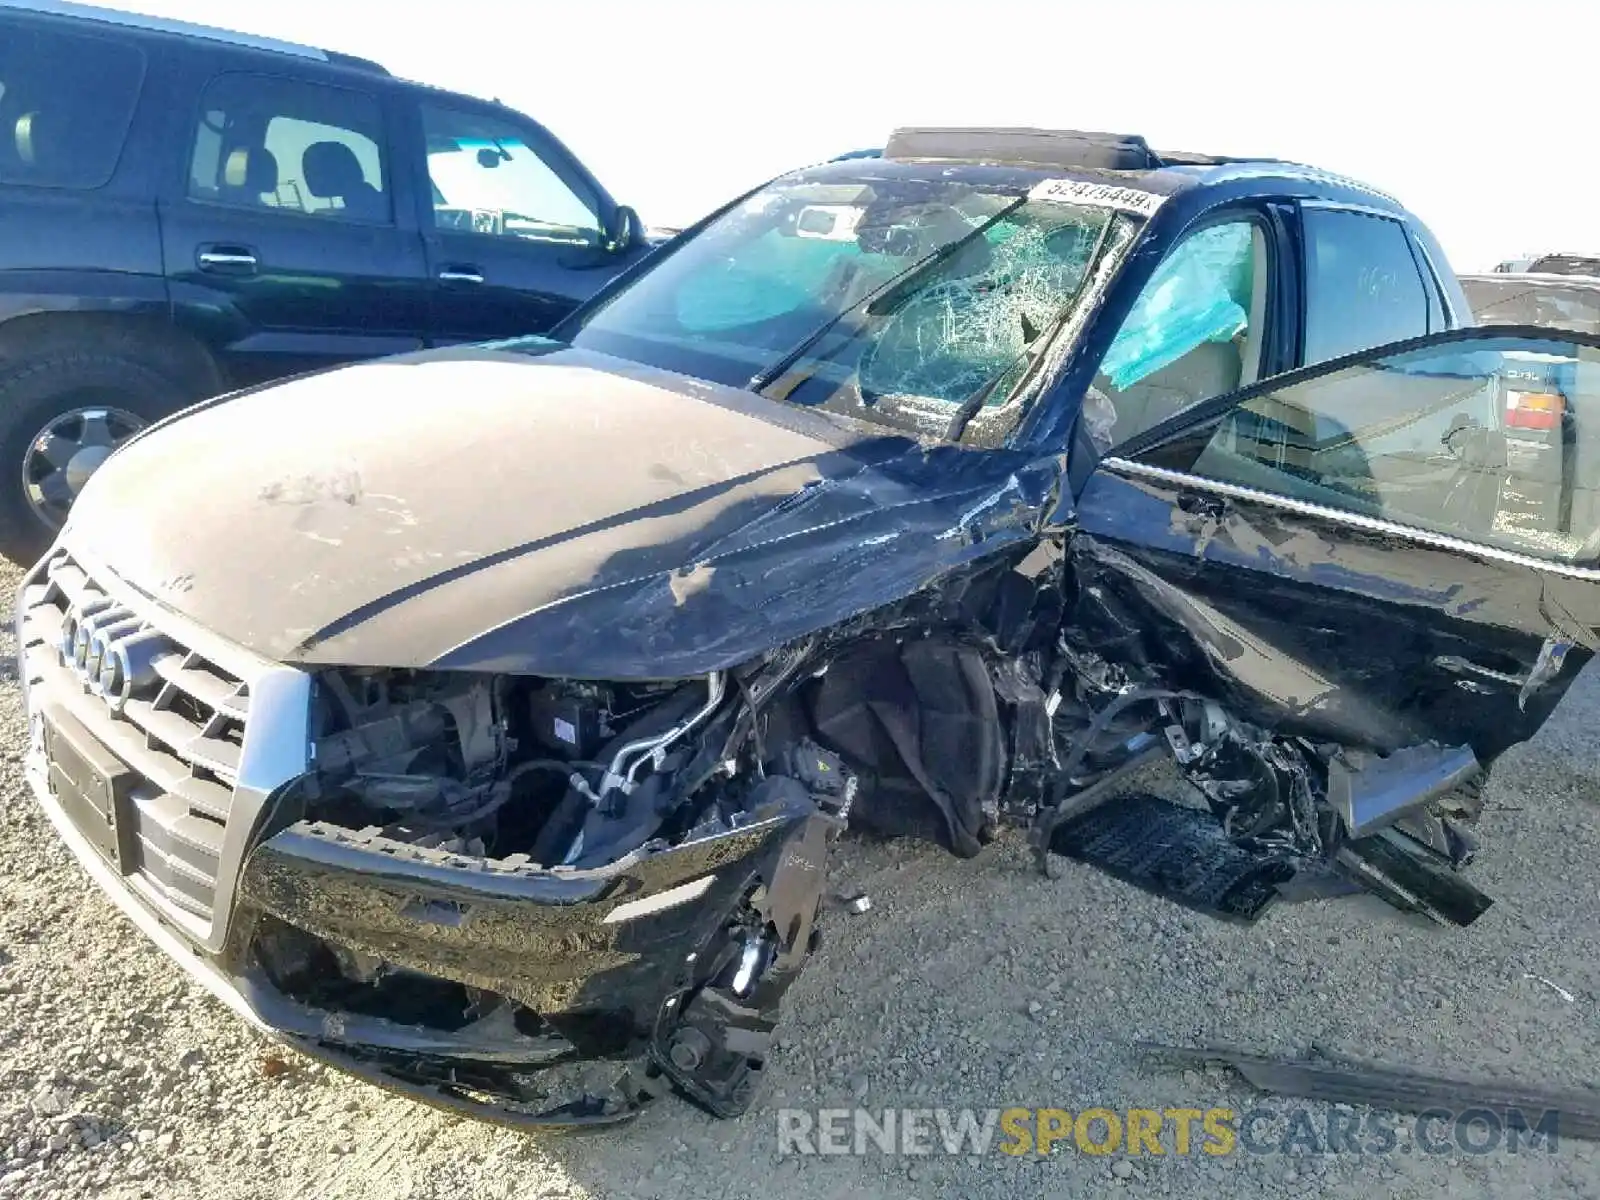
598	956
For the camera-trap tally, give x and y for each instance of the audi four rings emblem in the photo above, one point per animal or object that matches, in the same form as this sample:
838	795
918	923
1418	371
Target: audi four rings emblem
111	649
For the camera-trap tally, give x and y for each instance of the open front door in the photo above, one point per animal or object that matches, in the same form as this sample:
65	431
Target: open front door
1395	548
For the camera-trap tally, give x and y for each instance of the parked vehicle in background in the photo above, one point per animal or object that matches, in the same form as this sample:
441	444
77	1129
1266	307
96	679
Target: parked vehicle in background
931	493
186	210
1558	301
1539	393
1551	264
1587	265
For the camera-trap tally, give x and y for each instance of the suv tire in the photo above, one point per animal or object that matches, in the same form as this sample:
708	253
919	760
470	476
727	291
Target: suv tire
36	393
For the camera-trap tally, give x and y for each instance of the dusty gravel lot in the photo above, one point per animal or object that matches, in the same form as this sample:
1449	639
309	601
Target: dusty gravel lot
974	983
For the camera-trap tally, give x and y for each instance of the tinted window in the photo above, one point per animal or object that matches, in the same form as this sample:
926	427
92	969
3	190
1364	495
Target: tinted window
1363	288
65	106
1493	439
1193	333
263	142
488	179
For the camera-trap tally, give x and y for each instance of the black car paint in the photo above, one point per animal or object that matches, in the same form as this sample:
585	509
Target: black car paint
1417	637
920	512
1400	624
1313	626
541	939
530	934
863	537
73	252
329	294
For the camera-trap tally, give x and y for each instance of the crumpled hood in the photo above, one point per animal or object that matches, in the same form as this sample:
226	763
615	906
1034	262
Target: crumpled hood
556	513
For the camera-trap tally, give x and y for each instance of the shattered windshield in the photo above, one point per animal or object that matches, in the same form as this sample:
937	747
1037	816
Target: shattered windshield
930	292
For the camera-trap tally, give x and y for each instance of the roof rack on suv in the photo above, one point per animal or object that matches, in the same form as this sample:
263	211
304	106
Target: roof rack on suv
1043	148
1033	147
355	60
131	20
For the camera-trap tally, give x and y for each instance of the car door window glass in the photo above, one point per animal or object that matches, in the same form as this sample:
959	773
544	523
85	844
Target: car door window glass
1194	331
488	179
1363	285
269	143
1491	439
65	106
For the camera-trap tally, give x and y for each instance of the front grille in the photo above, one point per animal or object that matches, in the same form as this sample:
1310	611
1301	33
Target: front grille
176	718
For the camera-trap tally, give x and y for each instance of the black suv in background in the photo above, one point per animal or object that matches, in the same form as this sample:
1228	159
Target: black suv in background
186	210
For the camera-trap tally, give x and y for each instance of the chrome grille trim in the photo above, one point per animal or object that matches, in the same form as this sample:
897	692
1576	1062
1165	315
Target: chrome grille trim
188	707
209	730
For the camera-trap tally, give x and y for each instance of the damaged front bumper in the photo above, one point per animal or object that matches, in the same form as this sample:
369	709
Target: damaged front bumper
574	979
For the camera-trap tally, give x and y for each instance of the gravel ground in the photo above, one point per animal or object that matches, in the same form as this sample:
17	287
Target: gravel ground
969	983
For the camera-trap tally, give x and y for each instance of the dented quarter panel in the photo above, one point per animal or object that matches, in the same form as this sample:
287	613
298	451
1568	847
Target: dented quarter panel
846	549
1322	627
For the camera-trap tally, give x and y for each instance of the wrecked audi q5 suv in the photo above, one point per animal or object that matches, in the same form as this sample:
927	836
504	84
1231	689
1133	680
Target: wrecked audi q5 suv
480	720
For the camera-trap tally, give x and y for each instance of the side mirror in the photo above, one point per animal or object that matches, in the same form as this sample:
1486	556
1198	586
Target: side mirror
623	230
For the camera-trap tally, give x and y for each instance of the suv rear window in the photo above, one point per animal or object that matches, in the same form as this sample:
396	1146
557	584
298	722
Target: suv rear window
65	106
1363	287
271	143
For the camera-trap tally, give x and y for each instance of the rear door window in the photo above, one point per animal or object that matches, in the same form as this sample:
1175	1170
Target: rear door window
66	102
1363	285
265	142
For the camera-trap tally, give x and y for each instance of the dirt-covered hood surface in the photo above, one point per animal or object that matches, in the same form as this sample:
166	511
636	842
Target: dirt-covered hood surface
561	513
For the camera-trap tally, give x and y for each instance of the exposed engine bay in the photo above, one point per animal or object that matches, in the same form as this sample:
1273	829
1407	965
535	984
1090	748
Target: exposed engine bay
567	774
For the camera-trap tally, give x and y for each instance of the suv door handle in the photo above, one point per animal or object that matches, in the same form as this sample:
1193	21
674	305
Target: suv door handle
460	273
1458	665
1196	504
227	259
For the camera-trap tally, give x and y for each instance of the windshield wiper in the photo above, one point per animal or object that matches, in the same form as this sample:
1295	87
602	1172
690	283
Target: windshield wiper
762	378
1034	351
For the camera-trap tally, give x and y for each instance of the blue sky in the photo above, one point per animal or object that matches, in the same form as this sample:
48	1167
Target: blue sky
1470	112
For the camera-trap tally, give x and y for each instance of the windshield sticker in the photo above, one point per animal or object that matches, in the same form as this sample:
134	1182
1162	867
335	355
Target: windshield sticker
829	222
1097	195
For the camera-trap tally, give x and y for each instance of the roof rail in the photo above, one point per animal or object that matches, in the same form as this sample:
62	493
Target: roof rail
131	20
1046	148
355	60
1032	147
